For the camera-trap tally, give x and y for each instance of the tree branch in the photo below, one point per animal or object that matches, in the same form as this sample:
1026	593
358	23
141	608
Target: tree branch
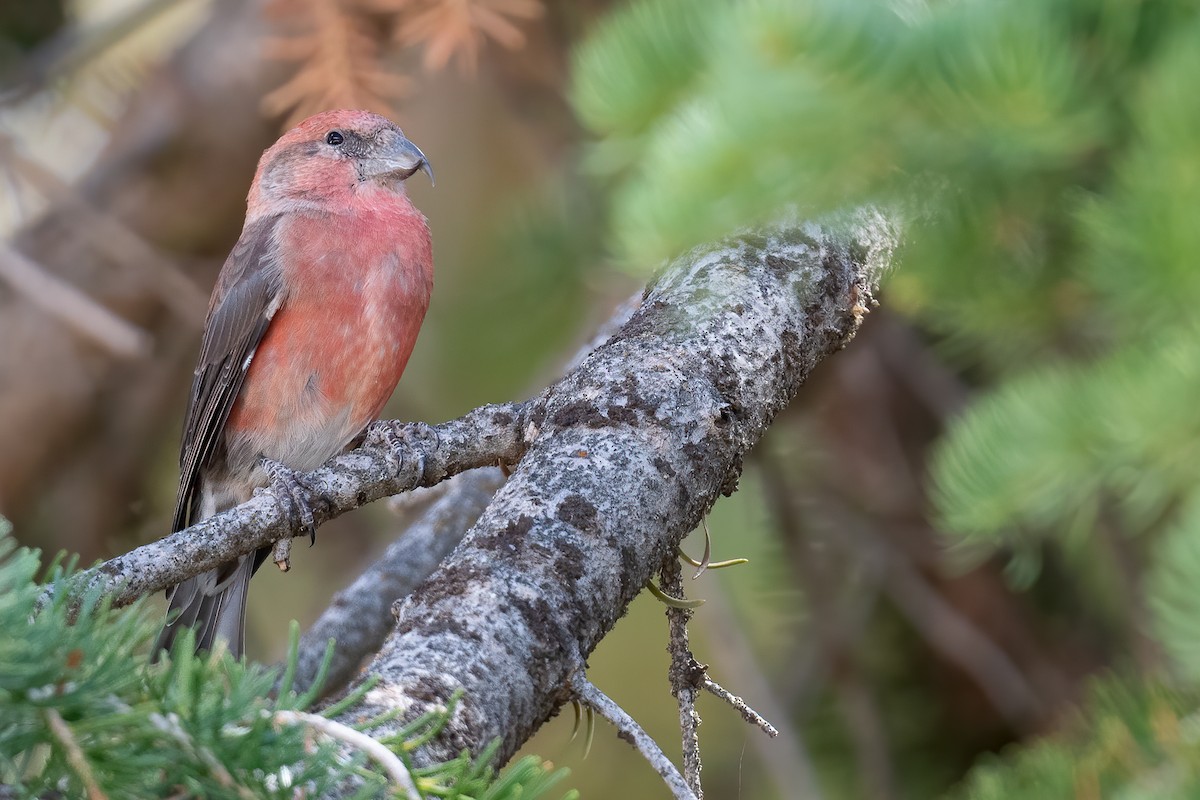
630	731
359	618
617	462
685	674
481	438
71	306
622	458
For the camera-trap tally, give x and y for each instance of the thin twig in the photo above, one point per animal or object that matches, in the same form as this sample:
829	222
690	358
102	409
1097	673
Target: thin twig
841	609
390	762
75	757
685	673
631	732
833	603
953	634
71	306
741	706
909	360
786	759
344	483
1128	569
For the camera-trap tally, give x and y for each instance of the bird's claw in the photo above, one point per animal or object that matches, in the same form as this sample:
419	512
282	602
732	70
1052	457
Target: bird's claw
382	434
291	493
397	437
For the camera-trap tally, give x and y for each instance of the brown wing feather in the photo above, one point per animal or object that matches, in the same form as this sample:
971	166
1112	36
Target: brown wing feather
247	295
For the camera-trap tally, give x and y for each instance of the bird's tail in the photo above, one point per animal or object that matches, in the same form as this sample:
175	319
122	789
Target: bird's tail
213	604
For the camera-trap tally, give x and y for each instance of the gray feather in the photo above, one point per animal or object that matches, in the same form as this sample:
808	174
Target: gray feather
248	293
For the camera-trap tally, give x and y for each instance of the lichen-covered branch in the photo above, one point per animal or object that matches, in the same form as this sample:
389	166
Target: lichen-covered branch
481	438
617	461
359	617
622	457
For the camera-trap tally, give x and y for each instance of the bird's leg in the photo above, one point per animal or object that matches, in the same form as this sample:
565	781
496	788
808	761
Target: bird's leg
397	437
287	486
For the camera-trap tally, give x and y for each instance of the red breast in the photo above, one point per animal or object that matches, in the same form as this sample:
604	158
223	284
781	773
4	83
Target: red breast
356	288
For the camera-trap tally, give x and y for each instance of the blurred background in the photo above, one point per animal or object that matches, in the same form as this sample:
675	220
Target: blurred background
976	529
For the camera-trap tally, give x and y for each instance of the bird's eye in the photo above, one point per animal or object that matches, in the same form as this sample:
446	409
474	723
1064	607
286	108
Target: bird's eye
334	138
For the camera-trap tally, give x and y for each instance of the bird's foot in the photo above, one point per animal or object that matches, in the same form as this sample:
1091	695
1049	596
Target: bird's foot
396	438
292	495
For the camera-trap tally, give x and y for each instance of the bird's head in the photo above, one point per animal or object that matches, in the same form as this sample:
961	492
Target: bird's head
331	156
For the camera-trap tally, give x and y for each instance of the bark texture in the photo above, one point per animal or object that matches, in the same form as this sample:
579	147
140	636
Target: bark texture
622	458
360	616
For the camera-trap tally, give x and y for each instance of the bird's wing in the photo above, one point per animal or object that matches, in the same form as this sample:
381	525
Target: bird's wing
249	291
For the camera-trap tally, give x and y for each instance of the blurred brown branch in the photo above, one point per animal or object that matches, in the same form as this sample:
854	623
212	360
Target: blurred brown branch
845	482
458	28
786	755
70	306
110	236
72	49
337	59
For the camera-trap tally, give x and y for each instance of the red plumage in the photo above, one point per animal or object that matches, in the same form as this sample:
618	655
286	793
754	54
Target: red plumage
310	326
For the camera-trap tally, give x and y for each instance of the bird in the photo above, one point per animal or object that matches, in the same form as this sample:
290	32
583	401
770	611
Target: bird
310	325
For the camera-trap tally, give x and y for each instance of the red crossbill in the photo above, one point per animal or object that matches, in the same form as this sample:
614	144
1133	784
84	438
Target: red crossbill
311	323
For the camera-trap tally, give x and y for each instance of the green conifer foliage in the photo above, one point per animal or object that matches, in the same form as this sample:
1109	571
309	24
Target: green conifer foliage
1136	741
84	713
